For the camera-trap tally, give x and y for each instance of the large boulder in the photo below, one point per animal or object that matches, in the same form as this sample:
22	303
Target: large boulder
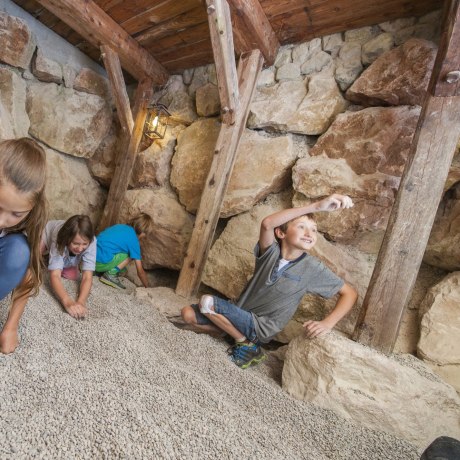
303	106
66	120
18	45
172	226
369	148
89	81
373	194
397	77
262	166
439	342
397	393
70	189
443	249
46	69
14	120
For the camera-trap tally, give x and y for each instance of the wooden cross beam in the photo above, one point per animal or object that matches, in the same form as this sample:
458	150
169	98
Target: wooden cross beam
252	30
98	28
418	197
216	183
124	163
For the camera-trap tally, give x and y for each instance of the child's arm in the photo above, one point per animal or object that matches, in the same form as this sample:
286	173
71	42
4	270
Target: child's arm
85	288
141	272
268	225
72	308
347	298
9	336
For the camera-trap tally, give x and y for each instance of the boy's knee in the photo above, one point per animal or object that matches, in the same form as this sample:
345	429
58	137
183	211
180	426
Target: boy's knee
188	315
207	305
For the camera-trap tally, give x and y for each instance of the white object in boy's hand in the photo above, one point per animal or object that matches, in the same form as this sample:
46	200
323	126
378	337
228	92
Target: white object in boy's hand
334	202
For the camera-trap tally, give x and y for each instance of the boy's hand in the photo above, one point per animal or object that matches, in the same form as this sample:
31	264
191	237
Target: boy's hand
9	341
334	202
316	328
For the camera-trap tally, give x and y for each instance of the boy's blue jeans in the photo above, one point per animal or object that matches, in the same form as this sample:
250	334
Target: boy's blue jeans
241	319
14	260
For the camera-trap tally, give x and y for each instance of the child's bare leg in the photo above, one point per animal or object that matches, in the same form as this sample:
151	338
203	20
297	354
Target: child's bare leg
123	264
188	315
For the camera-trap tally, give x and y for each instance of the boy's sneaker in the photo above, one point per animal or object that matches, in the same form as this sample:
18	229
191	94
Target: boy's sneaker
245	355
111	280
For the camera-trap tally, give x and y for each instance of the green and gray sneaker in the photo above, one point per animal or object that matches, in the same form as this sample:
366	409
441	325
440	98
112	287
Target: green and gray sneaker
244	355
111	280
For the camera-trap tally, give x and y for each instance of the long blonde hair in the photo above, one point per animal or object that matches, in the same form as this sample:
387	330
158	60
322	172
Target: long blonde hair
23	165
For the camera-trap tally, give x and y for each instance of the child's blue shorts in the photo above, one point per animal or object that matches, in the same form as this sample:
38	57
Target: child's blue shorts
241	319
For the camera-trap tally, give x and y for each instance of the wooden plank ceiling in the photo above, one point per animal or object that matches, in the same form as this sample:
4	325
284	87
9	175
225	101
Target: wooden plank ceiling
176	32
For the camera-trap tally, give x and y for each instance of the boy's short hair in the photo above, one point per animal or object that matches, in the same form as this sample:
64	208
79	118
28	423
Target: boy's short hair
142	223
284	227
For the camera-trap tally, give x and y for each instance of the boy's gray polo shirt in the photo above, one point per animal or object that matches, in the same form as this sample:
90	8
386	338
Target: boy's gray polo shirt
273	304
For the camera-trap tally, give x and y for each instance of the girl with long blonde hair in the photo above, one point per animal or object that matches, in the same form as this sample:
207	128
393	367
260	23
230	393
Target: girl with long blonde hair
23	215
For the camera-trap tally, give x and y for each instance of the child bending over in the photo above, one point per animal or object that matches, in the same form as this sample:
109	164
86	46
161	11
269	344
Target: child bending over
284	273
23	214
71	245
118	245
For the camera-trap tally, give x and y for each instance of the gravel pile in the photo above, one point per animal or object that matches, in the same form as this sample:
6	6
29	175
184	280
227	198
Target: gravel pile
125	383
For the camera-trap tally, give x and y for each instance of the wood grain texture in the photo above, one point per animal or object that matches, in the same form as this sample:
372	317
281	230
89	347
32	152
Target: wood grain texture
99	29
220	27
124	164
217	180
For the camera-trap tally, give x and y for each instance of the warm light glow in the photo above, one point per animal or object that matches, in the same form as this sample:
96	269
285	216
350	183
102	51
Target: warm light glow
156	121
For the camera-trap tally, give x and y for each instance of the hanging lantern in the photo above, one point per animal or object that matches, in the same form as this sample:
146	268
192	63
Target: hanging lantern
156	121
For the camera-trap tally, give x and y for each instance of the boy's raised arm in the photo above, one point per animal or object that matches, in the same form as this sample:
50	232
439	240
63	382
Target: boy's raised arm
268	225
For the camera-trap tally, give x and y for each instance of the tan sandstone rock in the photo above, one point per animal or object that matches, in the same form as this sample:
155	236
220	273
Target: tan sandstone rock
14	120
207	100
304	107
180	104
166	245
439	343
89	81
45	69
397	77
17	42
262	166
67	120
70	189
396	394
443	249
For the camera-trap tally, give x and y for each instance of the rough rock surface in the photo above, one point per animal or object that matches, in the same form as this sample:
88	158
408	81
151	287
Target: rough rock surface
17	42
397	394
207	100
262	166
14	120
153	165
70	189
372	49
180	104
125	383
45	69
89	81
348	64
440	325
304	107
67	120
172	226
443	249
398	77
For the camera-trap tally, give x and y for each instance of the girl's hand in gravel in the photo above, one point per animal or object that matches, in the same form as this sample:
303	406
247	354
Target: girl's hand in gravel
316	328
8	341
76	310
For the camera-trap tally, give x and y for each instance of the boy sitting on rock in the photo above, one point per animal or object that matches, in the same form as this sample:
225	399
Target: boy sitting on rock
284	273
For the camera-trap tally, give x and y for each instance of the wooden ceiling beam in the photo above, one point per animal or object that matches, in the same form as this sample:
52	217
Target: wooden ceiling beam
252	30
220	27
95	26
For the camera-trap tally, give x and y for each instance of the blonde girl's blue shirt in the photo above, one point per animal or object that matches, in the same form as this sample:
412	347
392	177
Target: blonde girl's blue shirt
120	238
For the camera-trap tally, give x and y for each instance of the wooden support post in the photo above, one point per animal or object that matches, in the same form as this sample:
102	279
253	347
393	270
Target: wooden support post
98	28
117	85
125	163
220	27
252	30
418	197
216	183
